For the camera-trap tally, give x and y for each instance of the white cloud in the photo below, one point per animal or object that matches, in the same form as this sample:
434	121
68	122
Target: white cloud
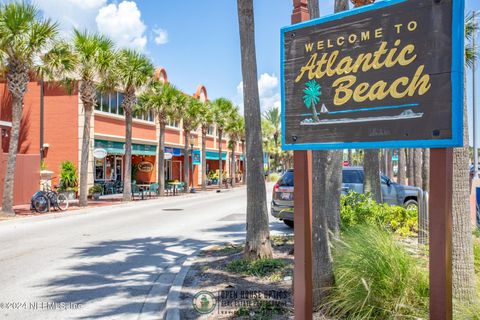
268	90
123	24
70	14
161	36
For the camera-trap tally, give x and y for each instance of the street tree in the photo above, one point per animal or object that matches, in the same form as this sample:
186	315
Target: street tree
222	108
206	120
272	115
234	129
160	98
28	50
401	166
257	244
133	71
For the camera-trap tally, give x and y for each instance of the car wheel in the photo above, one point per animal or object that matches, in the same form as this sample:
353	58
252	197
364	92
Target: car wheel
411	205
288	223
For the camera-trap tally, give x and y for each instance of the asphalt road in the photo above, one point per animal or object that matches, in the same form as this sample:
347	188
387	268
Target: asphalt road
101	263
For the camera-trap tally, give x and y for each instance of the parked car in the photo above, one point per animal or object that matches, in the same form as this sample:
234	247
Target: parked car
352	180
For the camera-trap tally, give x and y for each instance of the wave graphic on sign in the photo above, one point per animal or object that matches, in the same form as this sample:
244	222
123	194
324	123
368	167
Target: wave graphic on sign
407	114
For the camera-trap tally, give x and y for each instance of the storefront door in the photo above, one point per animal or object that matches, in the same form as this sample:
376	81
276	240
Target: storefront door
118	168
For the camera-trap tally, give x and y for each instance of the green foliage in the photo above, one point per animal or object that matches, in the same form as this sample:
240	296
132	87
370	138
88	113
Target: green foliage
273	177
261	310
68	177
281	240
376	278
258	268
360	209
96	188
43	165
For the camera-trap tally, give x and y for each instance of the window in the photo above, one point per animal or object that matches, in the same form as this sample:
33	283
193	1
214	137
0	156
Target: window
105	105
99	102
113	103
211	130
120	101
286	180
172	123
352	176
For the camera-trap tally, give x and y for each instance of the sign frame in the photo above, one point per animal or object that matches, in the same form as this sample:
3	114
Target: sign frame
457	76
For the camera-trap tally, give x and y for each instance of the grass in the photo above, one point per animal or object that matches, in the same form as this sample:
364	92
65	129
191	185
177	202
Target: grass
376	278
282	240
261	310
262	268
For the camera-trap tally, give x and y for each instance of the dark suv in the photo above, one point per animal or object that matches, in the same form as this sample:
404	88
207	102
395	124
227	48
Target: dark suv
352	180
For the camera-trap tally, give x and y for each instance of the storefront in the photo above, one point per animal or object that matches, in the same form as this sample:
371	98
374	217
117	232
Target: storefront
213	161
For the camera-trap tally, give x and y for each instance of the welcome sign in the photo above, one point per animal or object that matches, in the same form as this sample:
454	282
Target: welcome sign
380	76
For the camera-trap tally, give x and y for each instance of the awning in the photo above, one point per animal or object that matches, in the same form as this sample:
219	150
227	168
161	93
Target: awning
213	155
115	147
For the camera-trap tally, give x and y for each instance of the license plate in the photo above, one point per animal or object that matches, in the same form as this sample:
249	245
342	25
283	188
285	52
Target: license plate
285	196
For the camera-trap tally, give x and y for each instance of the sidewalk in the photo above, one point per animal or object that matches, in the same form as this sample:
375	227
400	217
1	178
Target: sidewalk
107	200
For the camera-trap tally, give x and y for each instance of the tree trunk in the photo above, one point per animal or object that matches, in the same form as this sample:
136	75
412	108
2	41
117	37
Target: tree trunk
426	170
417	167
410	170
8	187
389	171
186	162
83	192
350	157
244	178
401	166
233	164
372	183
463	271
257	243
161	159
204	159
127	180
383	161
341	5
220	159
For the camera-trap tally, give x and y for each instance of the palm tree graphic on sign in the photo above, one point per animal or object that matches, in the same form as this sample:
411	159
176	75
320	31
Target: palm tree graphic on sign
312	97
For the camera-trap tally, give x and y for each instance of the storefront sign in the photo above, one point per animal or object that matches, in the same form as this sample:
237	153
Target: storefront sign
380	76
197	157
145	166
99	153
167	156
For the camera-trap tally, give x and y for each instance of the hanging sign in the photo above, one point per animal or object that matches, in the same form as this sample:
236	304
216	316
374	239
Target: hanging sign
379	76
99	153
167	156
145	166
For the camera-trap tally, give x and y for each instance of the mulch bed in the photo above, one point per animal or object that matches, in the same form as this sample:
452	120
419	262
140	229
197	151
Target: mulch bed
235	292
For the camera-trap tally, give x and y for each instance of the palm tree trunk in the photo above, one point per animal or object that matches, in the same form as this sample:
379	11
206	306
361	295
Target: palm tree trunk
426	170
463	271
232	175
389	171
371	183
244	178
257	244
127	180
204	159
410	170
83	194
220	163
8	187
186	162
417	167
161	159
350	157
401	166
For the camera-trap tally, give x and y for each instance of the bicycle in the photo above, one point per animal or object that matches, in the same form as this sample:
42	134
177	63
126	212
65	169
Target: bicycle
47	198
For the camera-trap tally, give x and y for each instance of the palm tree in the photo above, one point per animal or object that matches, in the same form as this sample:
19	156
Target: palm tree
257	243
160	98
273	116
189	109
312	96
401	166
27	50
234	129
94	59
463	271
133	71
222	108
206	120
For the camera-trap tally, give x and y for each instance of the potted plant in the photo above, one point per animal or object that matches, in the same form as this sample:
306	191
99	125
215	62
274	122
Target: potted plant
95	191
68	180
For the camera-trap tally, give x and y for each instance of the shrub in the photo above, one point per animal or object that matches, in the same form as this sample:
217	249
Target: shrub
96	188
360	209
68	177
258	268
376	278
273	177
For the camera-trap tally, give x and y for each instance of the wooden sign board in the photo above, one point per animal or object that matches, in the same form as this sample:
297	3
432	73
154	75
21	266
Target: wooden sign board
387	75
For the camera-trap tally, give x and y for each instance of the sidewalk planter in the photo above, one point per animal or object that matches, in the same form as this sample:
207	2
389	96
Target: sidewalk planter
95	191
71	195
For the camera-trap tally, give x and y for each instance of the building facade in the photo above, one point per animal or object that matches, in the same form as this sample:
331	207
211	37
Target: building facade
63	119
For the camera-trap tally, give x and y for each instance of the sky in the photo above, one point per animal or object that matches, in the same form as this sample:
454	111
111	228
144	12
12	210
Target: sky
196	41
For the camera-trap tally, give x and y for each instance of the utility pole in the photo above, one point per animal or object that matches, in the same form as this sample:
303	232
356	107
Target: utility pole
474	107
